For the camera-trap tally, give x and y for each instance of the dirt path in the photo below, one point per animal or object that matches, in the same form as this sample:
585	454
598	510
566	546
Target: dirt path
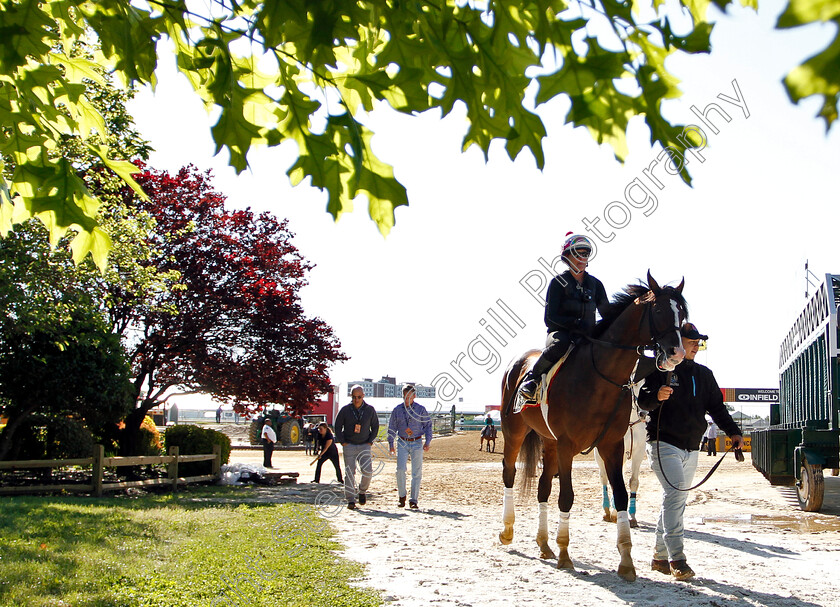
748	541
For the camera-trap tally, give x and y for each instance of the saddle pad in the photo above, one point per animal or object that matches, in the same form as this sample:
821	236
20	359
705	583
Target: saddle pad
519	402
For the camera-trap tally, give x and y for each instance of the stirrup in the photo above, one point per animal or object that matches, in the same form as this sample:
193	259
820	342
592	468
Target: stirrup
528	390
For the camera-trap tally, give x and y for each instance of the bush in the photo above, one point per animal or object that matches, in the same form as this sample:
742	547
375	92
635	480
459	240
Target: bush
45	437
68	438
149	438
195	440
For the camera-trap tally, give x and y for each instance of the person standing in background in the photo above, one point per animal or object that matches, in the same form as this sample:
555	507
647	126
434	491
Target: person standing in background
268	438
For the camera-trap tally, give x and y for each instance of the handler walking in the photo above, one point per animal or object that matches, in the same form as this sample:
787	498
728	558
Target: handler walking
356	427
675	426
409	424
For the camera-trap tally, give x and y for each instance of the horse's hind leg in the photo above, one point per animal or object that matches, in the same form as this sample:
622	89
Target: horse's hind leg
637	454
543	493
605	501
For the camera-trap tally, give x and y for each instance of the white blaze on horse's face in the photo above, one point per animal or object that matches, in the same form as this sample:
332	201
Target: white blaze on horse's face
679	352
669	361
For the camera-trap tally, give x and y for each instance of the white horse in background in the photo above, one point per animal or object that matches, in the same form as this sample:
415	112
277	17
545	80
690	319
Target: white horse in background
634	450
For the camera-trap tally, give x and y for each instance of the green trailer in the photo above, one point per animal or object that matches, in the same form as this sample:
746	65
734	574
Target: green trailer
804	434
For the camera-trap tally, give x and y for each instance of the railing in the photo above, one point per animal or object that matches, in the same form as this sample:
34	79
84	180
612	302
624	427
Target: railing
99	462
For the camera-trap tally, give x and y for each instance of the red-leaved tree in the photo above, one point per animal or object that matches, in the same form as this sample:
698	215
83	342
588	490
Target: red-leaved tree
235	327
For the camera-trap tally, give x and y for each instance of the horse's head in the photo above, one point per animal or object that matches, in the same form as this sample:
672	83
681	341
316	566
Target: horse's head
667	311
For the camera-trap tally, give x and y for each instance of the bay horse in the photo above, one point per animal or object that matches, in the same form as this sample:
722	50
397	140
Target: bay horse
488	433
634	451
588	405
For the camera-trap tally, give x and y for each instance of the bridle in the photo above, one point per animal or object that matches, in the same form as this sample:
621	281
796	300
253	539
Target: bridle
651	345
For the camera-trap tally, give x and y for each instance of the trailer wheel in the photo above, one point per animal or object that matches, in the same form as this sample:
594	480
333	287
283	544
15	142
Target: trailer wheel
290	432
810	488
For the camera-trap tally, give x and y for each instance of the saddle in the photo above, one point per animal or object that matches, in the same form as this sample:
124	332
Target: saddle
546	380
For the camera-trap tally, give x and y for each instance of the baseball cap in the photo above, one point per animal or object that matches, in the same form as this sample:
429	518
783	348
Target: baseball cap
689	331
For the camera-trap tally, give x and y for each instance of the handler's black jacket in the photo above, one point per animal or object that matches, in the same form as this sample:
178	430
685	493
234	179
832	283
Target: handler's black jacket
569	307
681	419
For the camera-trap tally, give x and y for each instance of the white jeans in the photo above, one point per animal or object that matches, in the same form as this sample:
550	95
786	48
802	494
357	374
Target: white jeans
679	466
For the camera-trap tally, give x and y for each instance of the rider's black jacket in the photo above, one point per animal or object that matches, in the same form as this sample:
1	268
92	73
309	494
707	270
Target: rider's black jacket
570	306
681	419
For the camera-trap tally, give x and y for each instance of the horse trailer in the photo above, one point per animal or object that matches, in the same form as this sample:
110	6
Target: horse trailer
804	433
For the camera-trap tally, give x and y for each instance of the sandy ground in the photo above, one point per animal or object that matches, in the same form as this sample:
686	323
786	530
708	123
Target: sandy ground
747	540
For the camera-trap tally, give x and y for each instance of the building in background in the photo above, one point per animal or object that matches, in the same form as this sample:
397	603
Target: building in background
387	387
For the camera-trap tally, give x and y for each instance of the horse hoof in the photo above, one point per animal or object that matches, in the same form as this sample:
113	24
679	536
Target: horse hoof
505	540
627	572
607	518
565	564
634	523
547	554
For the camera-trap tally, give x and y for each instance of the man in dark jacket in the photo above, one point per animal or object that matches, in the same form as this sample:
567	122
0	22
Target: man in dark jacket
570	304
676	424
356	427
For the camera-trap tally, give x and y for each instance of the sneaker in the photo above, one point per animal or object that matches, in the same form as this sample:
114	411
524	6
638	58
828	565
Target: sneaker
681	571
402	501
660	565
362	499
413	505
528	389
351	505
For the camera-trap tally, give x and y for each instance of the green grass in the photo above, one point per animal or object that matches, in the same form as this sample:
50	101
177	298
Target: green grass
190	550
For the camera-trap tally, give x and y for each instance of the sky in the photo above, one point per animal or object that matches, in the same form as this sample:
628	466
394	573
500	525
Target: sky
468	249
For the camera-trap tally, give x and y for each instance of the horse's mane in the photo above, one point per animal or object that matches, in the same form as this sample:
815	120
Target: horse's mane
623	299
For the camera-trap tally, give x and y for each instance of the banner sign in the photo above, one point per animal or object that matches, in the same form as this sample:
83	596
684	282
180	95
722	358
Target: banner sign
750	395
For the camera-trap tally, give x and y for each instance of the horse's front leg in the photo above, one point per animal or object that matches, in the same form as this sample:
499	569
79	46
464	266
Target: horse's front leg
565	501
550	468
613	463
508	476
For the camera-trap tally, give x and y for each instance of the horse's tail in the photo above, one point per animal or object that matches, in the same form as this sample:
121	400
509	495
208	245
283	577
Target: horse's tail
529	455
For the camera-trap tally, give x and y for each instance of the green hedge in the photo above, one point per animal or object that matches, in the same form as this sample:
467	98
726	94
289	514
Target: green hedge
195	440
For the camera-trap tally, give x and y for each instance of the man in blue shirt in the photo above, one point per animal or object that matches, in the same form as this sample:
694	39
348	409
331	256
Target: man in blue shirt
409	424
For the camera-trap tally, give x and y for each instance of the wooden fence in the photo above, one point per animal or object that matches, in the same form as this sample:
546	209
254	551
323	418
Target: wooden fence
99	462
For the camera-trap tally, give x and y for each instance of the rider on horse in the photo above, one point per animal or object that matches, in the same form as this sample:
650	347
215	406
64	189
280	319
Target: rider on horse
570	305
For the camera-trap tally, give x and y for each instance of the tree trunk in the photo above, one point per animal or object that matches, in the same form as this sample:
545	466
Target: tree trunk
130	436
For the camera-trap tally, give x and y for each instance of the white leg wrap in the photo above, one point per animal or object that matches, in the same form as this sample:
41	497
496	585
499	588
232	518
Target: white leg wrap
563	527
507	506
622	517
542	531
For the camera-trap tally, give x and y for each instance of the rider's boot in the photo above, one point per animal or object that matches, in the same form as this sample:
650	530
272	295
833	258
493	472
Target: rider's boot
531	381
528	388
